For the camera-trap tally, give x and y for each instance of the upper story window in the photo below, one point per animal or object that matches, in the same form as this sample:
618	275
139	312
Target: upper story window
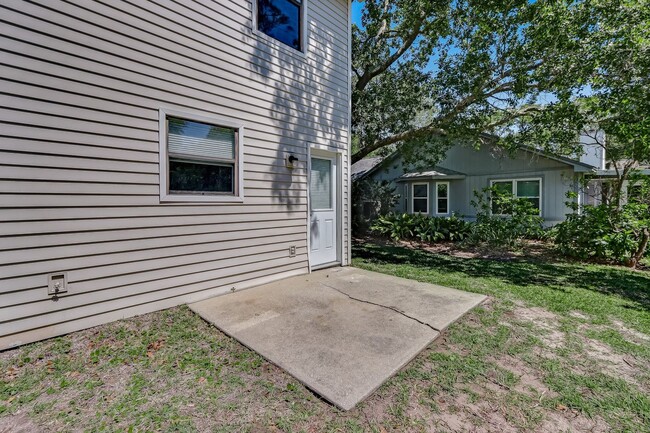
200	159
282	20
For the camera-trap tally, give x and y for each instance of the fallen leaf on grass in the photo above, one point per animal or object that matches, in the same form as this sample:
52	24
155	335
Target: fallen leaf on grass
202	379
561	408
153	347
11	373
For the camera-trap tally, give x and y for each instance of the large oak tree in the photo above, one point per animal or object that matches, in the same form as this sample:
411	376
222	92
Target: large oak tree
428	73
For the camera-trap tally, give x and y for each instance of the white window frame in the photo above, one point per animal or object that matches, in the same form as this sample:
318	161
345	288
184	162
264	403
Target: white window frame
165	196
413	198
514	190
446	198
304	31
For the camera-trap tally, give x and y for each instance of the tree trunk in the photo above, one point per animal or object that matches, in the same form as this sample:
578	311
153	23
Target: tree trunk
636	258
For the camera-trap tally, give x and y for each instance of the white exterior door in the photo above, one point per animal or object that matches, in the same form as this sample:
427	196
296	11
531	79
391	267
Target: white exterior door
323	210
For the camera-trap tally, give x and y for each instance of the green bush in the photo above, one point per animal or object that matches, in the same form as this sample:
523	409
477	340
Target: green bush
421	227
517	219
369	200
606	232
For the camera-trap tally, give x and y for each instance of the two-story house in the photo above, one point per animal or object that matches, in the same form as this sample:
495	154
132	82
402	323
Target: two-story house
154	153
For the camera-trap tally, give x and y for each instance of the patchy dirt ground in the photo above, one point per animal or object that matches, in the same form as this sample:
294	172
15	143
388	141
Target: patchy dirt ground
548	352
147	374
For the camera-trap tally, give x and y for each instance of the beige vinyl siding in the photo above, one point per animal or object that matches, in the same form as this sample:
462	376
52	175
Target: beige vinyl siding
80	93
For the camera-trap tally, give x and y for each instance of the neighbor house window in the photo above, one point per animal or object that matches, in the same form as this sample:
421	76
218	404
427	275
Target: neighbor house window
200	159
420	199
527	189
442	197
282	20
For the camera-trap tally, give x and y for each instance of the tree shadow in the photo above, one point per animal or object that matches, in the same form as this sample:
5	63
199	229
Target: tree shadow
632	286
309	101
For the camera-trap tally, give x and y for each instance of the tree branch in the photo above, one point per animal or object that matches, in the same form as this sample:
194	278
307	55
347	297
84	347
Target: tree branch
396	138
368	75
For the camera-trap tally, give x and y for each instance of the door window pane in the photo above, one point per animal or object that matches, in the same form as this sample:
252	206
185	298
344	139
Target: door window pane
281	20
320	186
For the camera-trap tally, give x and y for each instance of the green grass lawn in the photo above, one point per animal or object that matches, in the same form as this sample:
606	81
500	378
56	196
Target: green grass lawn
558	347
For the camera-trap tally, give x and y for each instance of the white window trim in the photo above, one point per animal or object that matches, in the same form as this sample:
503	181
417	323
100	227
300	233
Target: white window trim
238	197
304	32
406	198
446	198
413	198
514	190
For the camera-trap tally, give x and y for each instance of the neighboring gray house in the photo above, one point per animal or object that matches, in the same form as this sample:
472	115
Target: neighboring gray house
449	187
155	153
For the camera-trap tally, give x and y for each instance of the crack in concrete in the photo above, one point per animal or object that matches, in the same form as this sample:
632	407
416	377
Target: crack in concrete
382	306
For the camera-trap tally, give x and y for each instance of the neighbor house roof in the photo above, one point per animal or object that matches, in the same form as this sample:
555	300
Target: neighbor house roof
438	173
610	172
366	166
578	166
363	167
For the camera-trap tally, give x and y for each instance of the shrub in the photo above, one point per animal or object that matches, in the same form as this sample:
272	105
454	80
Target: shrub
606	232
518	219
369	200
421	227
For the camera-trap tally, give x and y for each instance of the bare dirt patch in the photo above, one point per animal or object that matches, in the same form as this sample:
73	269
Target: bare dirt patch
631	335
18	423
546	321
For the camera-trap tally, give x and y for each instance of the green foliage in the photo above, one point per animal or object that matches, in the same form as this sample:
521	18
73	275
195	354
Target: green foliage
427	73
606	232
503	220
421	227
369	200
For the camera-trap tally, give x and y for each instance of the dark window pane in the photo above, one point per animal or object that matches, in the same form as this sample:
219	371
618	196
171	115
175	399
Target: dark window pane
533	201
200	178
420	205
443	190
442	205
419	190
280	19
503	187
528	188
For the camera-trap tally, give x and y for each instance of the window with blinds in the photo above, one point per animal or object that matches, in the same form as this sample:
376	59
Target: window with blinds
201	158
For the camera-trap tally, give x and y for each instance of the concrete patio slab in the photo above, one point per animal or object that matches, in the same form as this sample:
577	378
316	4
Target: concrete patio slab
342	331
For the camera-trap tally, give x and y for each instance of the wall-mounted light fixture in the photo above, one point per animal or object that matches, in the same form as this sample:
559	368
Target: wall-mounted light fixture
291	160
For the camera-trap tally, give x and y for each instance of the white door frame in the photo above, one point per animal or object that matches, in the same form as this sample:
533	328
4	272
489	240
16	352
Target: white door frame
338	157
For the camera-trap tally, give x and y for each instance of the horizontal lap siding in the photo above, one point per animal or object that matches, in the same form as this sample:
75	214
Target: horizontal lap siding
79	188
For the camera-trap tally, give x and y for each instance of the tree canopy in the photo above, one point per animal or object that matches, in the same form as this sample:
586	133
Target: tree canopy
428	73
